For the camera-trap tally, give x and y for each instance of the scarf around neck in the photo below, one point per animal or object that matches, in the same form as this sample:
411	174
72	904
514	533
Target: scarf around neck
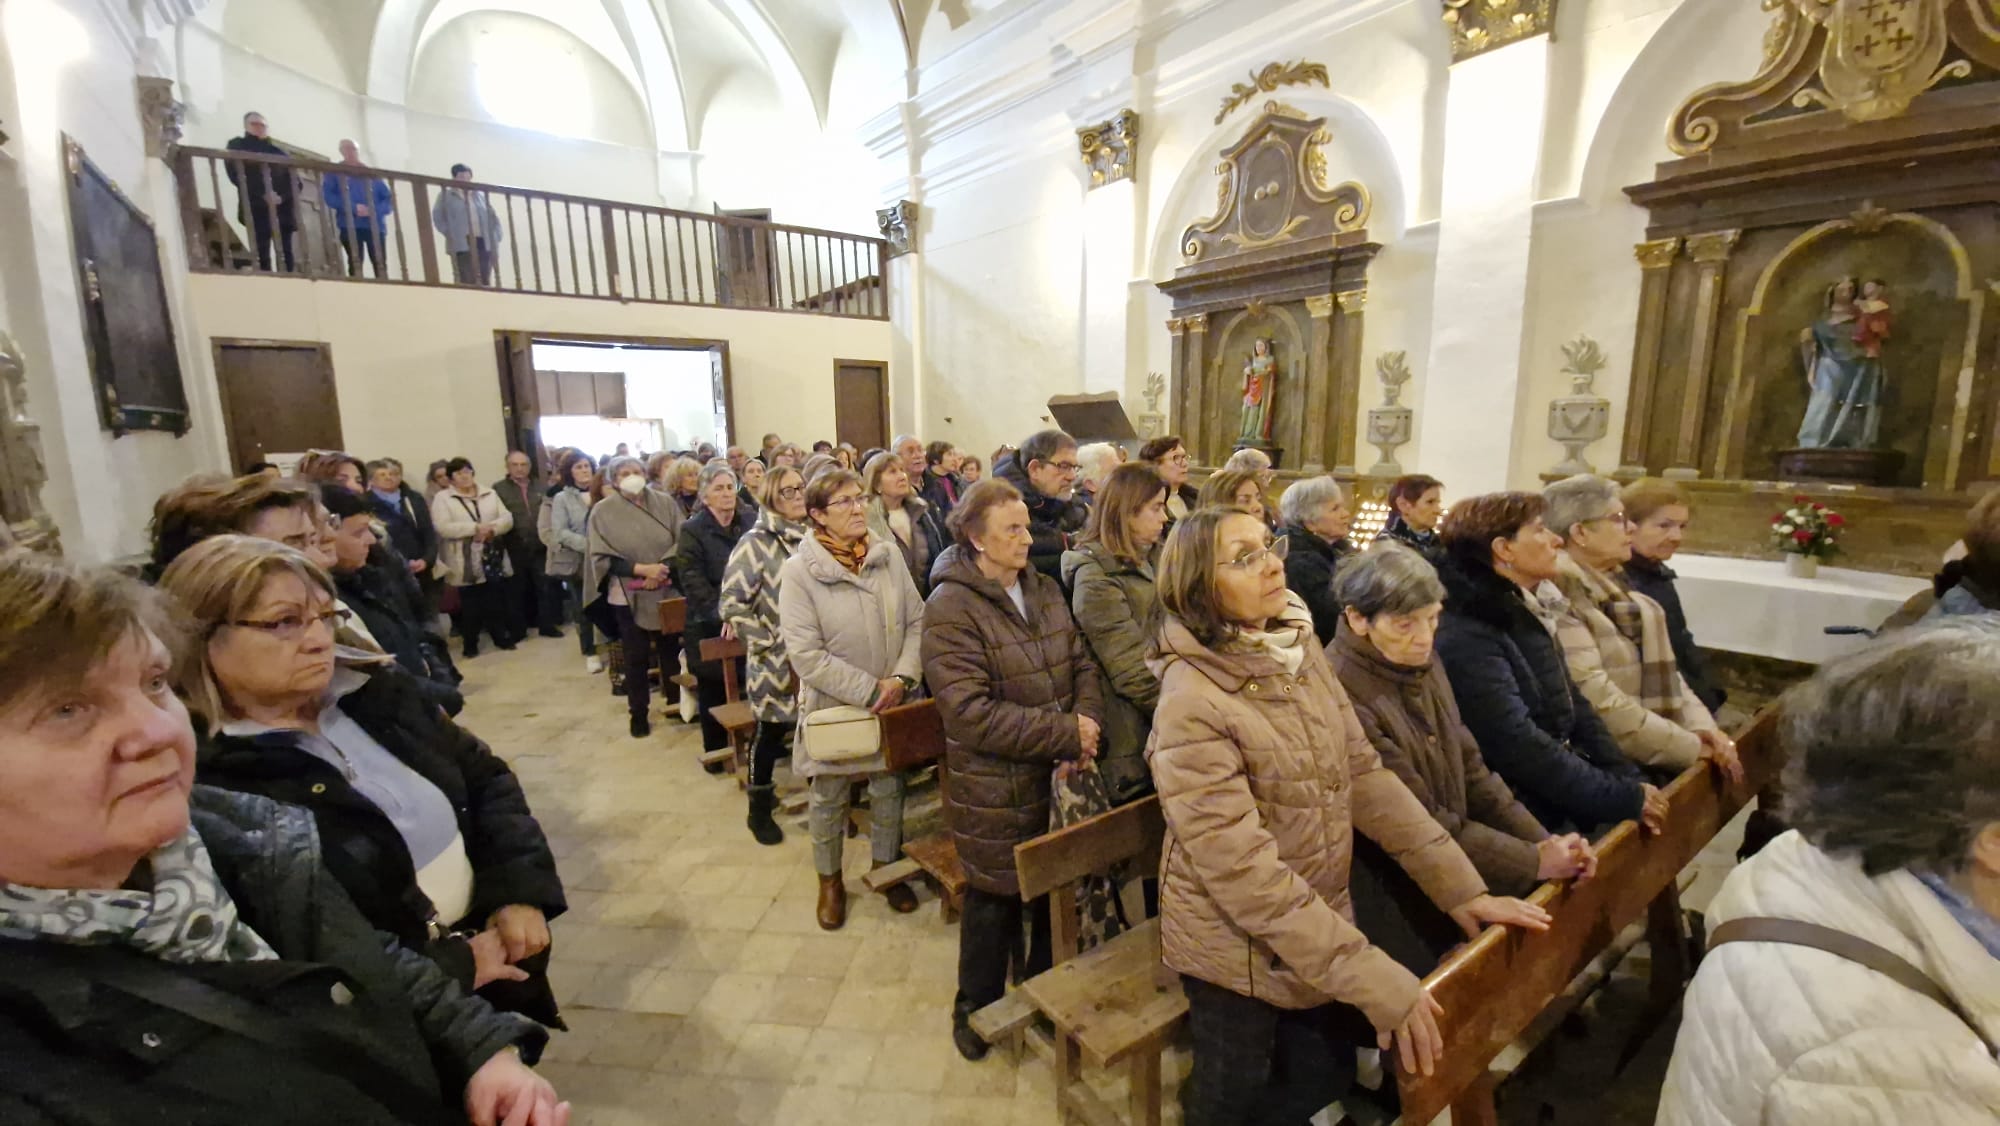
187	916
1643	622
1285	643
848	555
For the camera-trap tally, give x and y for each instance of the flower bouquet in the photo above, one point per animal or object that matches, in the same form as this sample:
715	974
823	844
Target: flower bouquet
1806	533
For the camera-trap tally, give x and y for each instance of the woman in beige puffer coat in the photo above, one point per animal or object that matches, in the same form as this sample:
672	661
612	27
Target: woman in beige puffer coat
1902	854
1264	775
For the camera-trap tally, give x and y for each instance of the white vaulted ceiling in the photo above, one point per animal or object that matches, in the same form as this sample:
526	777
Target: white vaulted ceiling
811	61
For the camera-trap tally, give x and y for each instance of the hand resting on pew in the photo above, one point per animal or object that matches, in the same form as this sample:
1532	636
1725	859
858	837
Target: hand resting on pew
1417	1040
1719	750
1564	857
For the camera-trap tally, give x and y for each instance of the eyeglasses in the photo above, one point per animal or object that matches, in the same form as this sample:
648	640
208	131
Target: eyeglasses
839	504
1066	468
1613	517
1177	459
791	492
291	627
1254	558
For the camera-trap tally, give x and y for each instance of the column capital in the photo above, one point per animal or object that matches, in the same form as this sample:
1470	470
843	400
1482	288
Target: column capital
898	225
1320	306
1198	323
1477	28
1353	301
1658	254
1714	246
1176	326
1110	148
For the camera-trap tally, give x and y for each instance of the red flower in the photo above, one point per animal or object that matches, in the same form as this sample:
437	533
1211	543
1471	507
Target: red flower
1802	536
1835	519
1777	518
1799	499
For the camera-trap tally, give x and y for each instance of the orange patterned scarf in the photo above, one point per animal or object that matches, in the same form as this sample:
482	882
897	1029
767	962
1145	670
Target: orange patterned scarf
848	555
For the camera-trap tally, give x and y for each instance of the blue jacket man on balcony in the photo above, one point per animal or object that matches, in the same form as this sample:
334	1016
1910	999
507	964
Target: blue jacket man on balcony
358	204
471	230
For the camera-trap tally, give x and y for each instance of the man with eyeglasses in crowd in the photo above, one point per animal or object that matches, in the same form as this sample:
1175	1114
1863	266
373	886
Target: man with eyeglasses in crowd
1044	469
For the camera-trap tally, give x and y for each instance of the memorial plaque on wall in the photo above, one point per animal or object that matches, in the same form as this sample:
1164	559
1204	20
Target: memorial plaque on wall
128	332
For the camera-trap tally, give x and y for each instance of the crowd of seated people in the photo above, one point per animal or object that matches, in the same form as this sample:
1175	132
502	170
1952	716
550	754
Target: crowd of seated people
1362	755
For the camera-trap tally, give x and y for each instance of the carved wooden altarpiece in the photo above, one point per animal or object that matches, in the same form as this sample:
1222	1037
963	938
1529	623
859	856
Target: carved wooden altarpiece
1867	147
1284	258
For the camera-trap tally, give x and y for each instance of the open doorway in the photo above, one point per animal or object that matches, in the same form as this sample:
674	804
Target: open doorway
600	393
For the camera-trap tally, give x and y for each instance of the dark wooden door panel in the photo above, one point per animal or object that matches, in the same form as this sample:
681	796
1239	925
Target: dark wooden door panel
861	403
276	398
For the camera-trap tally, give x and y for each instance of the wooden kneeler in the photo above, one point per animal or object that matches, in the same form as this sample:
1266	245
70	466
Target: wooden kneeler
913	738
735	716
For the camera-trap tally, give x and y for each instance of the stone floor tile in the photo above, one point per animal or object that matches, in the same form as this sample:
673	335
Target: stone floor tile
673	992
768	1052
911	1061
802	1001
838	1057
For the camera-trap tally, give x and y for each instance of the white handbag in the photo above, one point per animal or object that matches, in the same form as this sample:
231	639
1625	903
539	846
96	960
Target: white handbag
841	734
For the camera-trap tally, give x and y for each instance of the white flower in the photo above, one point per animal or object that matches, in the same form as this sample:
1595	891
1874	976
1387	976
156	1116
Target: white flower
1785	529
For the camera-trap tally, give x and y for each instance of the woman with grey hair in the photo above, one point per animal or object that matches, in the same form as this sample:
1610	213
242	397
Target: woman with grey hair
706	541
1314	517
1383	653
1878	918
1617	642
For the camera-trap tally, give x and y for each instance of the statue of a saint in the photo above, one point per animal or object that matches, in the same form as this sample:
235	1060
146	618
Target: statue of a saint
1842	353
1260	381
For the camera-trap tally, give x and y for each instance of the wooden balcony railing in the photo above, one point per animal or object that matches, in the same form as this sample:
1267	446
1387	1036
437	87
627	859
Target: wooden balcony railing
246	212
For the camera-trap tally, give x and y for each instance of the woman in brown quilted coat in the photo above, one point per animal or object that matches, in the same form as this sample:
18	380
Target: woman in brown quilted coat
1264	775
1018	693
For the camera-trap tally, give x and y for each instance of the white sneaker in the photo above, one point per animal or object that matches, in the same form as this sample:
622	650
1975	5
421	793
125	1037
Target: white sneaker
593	665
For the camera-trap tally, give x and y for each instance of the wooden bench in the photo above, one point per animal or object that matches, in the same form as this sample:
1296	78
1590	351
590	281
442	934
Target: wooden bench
1112	1005
735	715
673	619
1496	988
913	738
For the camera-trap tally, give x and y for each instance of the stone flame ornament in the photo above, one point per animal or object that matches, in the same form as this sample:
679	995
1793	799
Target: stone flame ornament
1389	424
1582	416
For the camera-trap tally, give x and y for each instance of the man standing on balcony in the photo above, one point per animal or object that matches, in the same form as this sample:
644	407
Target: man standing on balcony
470	228
358	203
266	194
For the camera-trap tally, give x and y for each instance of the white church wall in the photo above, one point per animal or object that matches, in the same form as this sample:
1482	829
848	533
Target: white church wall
68	68
415	373
1583	278
506	68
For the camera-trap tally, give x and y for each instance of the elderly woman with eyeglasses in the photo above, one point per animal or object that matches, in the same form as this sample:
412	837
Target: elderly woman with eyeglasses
425	828
750	609
171	952
1853	968
1617	642
1264	776
851	620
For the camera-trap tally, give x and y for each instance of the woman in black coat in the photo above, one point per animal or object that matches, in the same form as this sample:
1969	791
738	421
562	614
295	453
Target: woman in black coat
426	829
1533	726
707	539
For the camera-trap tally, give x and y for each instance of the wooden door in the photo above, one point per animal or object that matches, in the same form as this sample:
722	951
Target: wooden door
277	397
520	393
861	403
743	260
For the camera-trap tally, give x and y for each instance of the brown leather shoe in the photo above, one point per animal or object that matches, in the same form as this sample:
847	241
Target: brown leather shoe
832	903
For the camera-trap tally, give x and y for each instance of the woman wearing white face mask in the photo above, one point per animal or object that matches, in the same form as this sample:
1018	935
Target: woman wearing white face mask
634	531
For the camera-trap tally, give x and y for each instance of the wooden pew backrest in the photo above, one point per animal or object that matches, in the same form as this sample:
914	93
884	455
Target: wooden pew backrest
1054	863
673	618
1492	988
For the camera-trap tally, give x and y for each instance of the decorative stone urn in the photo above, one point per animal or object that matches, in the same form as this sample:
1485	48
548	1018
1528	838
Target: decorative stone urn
1582	416
1389	424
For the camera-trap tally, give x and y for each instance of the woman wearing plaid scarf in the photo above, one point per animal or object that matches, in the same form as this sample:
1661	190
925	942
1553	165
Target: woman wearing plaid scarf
1615	640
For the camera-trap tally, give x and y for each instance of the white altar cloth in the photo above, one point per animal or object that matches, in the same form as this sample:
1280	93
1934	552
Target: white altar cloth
1753	606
